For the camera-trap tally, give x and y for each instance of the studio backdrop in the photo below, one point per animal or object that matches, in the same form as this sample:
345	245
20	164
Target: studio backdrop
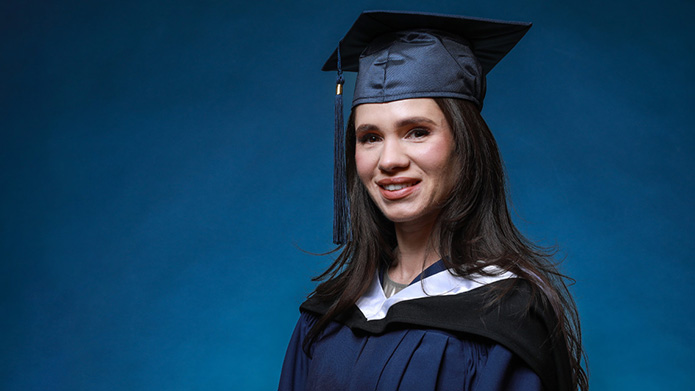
166	171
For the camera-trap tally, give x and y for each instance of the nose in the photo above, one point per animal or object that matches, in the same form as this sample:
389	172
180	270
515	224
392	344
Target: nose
393	157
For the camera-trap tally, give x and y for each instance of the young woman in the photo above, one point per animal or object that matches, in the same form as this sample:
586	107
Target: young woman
435	288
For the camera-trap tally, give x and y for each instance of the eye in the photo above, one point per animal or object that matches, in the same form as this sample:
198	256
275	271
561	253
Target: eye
418	133
368	138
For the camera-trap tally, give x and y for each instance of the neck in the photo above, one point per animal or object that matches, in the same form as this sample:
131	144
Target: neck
415	253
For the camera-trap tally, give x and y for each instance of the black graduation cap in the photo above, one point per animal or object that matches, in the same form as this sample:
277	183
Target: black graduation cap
402	55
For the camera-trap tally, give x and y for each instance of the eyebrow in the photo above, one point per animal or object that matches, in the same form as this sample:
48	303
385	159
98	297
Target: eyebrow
400	124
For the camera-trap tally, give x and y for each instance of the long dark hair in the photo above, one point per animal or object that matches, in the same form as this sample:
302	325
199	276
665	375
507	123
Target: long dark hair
474	228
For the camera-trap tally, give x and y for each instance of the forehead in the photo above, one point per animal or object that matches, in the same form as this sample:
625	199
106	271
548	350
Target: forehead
399	110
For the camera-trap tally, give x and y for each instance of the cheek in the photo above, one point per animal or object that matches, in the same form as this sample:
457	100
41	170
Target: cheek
449	177
437	158
364	164
443	163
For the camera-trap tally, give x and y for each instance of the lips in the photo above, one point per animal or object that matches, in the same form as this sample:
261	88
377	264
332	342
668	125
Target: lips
396	188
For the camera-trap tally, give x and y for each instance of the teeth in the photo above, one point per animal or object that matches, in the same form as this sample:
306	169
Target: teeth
395	187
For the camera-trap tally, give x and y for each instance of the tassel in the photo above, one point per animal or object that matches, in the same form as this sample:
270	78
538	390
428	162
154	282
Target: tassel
340	205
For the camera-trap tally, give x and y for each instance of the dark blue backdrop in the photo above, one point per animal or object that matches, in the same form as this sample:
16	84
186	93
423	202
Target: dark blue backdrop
161	164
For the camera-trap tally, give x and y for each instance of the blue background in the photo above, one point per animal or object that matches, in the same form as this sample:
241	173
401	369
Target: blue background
163	164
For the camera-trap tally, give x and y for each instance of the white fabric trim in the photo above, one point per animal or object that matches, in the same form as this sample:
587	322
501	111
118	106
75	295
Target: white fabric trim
375	305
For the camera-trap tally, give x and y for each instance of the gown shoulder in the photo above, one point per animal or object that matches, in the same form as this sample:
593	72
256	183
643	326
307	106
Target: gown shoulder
403	359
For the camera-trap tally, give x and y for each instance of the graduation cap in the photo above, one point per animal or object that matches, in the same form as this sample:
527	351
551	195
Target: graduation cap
404	55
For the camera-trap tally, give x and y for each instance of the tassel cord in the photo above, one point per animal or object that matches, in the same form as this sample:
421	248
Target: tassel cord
340	204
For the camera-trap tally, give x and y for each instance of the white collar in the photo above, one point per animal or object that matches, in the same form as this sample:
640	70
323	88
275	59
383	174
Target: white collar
374	304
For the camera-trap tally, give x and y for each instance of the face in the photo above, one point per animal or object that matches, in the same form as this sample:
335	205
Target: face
404	153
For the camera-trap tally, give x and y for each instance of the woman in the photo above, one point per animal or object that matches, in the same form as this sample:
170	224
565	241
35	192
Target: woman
434	288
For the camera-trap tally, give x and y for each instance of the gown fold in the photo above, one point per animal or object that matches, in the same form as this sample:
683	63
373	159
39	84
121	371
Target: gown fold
441	342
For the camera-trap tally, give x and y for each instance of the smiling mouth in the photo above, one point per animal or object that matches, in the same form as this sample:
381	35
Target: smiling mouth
398	186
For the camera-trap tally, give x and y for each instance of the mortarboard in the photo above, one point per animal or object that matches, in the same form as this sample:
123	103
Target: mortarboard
403	55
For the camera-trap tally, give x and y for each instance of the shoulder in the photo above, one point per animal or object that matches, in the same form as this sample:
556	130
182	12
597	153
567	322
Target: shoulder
500	301
420	358
509	312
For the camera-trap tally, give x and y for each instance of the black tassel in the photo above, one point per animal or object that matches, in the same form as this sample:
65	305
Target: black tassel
340	205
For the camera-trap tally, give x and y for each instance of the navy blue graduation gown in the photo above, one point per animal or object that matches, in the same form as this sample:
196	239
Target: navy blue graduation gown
439	340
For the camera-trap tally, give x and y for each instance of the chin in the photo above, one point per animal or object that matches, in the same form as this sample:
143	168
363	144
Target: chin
397	217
